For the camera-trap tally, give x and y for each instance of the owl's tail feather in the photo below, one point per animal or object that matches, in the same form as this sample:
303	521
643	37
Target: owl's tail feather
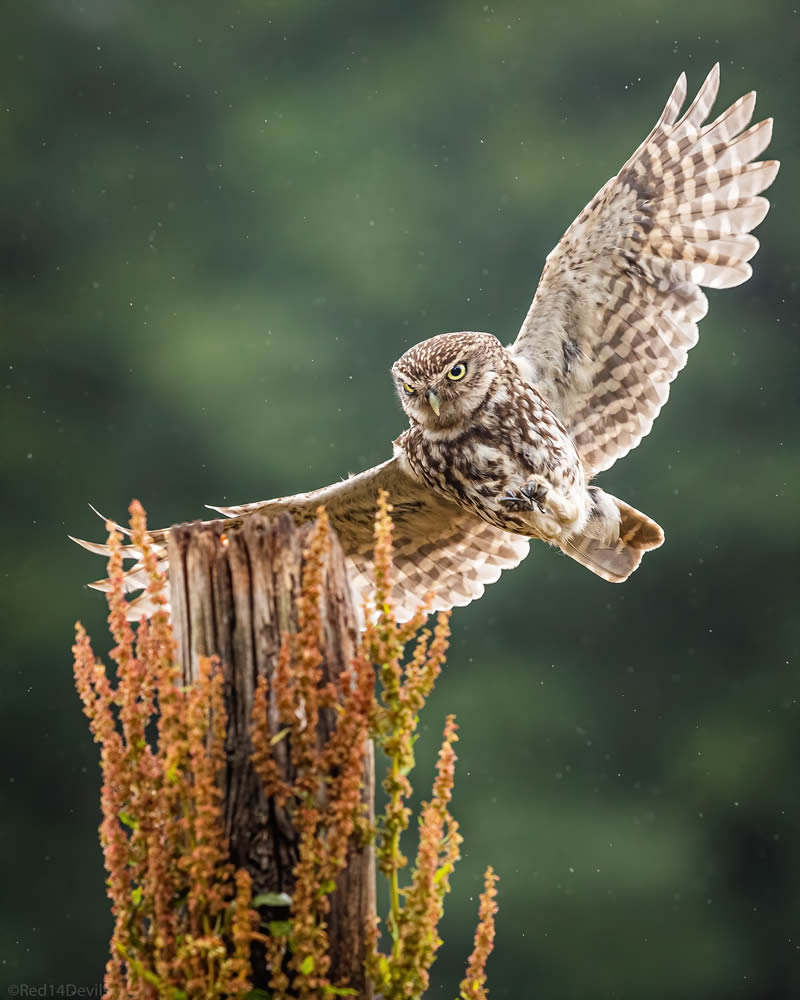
615	562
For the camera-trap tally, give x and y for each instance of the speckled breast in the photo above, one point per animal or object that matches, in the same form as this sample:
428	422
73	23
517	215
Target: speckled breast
513	437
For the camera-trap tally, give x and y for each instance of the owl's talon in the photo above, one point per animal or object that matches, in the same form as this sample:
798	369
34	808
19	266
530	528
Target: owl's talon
536	493
530	497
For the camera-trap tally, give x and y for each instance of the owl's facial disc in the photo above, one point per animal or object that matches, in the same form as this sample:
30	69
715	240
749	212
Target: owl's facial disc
442	381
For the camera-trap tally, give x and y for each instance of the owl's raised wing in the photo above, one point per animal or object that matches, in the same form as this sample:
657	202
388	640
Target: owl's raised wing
437	546
618	302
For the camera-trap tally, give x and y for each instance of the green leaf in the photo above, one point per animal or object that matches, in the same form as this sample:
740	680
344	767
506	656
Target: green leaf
136	895
442	872
129	820
279	736
307	965
327	886
339	991
405	771
272	899
279	928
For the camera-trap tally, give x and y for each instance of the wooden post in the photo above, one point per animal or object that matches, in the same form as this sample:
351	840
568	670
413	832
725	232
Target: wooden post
234	596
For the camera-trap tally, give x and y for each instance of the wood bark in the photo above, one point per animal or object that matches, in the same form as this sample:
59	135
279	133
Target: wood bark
233	592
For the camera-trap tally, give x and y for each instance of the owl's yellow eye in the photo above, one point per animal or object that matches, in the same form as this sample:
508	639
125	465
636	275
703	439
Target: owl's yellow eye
457	372
409	388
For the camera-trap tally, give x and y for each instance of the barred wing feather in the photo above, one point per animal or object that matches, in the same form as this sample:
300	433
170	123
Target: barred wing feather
618	302
438	547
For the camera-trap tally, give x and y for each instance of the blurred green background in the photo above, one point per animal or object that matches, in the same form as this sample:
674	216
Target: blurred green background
219	225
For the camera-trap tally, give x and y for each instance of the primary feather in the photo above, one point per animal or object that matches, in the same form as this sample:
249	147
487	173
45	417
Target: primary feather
618	302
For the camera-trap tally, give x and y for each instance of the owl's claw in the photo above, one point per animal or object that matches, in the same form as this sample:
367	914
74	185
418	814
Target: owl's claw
529	497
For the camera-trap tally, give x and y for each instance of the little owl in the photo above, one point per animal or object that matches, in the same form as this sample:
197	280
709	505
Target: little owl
503	443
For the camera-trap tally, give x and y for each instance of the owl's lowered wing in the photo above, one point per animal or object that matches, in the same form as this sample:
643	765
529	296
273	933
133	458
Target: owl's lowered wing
437	546
617	305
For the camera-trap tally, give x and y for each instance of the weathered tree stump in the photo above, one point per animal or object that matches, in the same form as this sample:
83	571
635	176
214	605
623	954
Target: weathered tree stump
233	592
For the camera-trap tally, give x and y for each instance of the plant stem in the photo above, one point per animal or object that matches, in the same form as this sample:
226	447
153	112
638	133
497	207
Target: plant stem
394	851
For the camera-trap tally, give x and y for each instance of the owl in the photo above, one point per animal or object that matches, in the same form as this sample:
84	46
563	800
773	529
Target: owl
503	443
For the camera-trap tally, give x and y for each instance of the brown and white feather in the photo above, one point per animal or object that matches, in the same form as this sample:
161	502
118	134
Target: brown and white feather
613	318
439	548
618	303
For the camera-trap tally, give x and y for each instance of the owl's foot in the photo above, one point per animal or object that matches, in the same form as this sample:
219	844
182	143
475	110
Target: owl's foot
529	497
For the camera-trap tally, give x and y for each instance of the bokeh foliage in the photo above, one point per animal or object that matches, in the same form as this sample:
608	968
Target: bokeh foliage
219	225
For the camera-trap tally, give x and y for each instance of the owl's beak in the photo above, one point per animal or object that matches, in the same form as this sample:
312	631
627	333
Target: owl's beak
433	399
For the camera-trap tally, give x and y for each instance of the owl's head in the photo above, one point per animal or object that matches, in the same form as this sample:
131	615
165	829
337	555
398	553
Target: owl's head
442	381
